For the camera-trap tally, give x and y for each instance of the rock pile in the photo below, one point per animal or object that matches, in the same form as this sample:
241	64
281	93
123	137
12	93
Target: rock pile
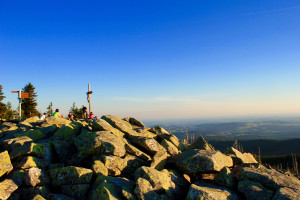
114	158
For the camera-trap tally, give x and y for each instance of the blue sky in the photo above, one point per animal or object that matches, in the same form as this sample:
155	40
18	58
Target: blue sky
155	59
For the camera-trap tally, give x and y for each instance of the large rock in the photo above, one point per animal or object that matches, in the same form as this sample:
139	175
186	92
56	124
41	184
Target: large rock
100	142
38	197
57	121
70	175
67	132
206	191
13	143
159	160
63	149
269	178
159	130
114	164
160	182
174	140
119	123
125	166
99	167
35	176
25	125
17	177
102	125
226	178
149	144
7	187
106	187
145	191
32	119
240	158
30	193
254	190
32	134
170	147
285	193
27	162
136	122
78	191
135	151
48	130
40	150
5	164
53	196
200	161
201	143
146	133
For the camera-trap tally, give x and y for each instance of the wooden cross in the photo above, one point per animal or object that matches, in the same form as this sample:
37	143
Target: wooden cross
21	95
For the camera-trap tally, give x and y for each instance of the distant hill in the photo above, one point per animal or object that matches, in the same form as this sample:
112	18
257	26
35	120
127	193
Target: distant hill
267	146
237	130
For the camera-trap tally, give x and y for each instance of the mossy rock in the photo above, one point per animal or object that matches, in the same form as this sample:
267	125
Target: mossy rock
13	143
269	178
63	149
201	143
159	180
287	194
145	191
38	197
170	147
7	187
136	122
226	178
25	125
70	175
99	167
32	119
57	121
254	190
149	144
32	134
31	192
5	163
107	187
146	133
210	191
40	150
100	142
27	162
135	151
77	191
119	124
159	160
200	161
66	132
102	125
159	130
114	164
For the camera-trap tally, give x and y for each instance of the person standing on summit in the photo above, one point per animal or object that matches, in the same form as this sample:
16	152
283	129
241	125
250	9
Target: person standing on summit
84	112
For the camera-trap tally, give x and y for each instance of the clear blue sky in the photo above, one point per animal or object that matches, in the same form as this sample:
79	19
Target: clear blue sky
155	59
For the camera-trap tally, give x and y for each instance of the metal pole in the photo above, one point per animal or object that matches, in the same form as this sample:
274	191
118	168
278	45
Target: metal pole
89	98
20	102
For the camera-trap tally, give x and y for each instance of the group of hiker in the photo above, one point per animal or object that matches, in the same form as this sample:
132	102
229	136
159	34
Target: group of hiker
70	116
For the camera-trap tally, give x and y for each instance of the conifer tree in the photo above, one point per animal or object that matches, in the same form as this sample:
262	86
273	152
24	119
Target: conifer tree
75	111
50	109
29	104
10	113
2	105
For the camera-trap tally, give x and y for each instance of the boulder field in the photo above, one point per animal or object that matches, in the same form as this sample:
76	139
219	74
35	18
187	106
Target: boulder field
120	158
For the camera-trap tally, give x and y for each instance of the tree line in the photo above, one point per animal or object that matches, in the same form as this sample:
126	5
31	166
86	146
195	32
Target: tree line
29	106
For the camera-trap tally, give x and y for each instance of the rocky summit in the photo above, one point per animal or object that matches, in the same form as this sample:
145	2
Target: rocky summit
115	158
